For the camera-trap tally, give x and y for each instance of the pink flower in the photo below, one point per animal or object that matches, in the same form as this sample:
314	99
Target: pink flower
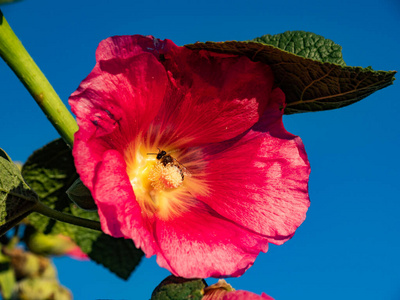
231	179
224	291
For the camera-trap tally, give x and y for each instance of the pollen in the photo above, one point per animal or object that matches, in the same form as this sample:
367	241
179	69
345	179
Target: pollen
162	186
165	177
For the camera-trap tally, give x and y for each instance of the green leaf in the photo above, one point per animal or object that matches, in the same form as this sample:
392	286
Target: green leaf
116	254
81	195
50	171
305	44
309	70
178	288
16	198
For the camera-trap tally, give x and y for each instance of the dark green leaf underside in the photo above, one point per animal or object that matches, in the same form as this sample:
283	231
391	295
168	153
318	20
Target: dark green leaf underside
50	171
309	85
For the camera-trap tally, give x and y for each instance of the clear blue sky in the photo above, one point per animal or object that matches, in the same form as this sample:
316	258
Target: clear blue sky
348	247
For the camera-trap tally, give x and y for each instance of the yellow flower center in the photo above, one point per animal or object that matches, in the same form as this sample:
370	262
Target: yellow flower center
165	177
162	187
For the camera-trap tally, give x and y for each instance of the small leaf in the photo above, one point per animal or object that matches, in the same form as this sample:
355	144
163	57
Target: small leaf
178	288
50	171
81	195
16	198
309	70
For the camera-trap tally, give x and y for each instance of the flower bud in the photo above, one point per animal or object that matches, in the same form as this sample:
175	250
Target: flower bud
224	291
47	244
179	288
217	290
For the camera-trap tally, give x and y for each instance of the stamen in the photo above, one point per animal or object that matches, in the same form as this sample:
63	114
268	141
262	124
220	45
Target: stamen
163	186
165	177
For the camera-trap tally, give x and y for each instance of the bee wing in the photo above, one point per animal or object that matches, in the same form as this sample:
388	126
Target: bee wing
182	167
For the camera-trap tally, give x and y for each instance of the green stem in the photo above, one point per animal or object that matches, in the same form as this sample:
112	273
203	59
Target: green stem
59	216
19	60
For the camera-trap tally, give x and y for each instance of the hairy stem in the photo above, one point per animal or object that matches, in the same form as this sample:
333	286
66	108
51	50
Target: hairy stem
19	60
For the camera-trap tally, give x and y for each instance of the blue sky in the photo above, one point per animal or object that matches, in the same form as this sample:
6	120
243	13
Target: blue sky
348	247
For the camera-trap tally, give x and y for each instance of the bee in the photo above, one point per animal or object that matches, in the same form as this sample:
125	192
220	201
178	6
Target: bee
166	159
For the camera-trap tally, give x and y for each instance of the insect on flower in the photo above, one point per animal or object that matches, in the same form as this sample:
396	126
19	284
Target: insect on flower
166	159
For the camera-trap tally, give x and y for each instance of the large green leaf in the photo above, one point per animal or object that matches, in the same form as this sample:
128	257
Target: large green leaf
16	198
178	288
50	171
308	68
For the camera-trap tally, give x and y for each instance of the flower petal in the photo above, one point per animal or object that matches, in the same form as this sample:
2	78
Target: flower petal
245	295
189	248
119	212
113	104
213	97
260	180
125	97
127	46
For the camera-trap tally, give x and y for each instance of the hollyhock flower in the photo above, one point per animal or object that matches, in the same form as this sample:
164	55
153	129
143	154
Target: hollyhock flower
185	153
224	291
